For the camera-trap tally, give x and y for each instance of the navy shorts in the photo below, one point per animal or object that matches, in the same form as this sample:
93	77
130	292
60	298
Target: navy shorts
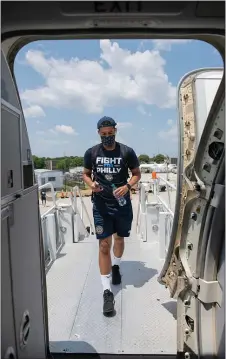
112	220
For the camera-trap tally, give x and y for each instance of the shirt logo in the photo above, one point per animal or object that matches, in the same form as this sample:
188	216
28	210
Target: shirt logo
107	165
109	177
99	229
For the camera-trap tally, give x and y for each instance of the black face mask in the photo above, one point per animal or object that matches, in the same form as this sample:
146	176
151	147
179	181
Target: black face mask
108	141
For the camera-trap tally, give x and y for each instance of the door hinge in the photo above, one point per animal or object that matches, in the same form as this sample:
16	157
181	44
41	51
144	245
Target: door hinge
7	212
218	193
207	291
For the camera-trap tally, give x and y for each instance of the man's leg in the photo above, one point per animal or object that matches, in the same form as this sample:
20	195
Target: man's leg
118	250
104	230
105	262
123	225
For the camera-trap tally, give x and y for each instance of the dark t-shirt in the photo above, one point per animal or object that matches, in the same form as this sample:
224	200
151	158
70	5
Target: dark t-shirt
110	168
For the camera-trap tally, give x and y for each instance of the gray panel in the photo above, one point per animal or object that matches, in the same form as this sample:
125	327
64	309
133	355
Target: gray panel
26	274
7	319
220	311
8	92
145	317
10	155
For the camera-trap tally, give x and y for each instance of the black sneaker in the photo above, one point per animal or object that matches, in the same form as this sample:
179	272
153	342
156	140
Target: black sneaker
108	302
116	276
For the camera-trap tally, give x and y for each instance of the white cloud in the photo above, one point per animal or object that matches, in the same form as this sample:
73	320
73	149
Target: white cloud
67	130
40	133
166	45
49	142
34	111
123	140
169	122
53	132
124	78
122	125
170	134
142	110
94	142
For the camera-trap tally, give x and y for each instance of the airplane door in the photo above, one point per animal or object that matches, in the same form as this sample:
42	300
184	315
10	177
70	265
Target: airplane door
193	261
24	322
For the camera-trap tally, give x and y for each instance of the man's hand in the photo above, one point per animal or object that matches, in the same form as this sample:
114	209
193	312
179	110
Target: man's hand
96	187
121	191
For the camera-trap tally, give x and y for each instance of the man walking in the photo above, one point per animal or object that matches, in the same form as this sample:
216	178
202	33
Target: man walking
109	162
43	198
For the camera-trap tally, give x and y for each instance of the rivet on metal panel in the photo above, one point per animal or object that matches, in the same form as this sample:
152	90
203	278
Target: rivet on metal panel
194	216
218	134
10	353
188	152
197	188
207	167
187	302
63	229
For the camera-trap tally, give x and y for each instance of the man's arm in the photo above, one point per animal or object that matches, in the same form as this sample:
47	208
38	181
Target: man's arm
87	172
87	177
136	176
133	164
134	167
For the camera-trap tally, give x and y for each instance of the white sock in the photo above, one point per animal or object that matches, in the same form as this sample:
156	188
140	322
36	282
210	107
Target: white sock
105	279
116	261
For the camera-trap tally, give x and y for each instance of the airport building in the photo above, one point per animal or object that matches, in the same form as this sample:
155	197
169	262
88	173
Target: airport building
56	177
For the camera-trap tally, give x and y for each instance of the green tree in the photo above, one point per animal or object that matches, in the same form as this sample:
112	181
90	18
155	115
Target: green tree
144	158
76	161
61	165
39	162
159	158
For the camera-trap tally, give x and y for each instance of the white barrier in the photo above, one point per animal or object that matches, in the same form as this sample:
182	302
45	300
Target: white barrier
62	224
155	219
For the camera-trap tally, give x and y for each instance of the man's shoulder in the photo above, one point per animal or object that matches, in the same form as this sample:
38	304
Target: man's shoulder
95	148
126	148
92	150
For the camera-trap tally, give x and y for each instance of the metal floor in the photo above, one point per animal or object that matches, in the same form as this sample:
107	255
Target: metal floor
145	318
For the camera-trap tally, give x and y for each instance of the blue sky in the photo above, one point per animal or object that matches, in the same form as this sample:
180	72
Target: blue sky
66	86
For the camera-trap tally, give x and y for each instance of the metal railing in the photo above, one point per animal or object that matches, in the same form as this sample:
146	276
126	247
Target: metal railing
76	190
169	186
49	222
155	219
62	223
141	223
